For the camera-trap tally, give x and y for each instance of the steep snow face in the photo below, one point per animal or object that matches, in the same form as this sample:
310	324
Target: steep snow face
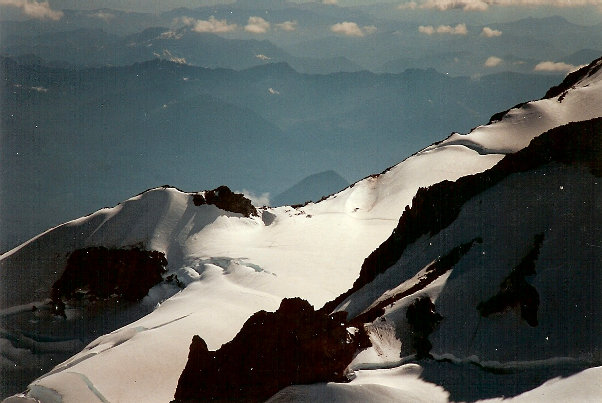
559	202
233	266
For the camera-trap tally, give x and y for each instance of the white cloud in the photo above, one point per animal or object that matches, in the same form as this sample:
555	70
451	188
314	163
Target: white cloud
263	57
347	28
552	3
412	5
352	29
212	25
466	5
34	9
273	91
459	29
493	61
426	29
482	5
555	66
490	33
288	26
257	200
257	25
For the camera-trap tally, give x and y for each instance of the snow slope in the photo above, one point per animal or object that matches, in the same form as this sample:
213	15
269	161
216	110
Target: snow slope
550	207
233	266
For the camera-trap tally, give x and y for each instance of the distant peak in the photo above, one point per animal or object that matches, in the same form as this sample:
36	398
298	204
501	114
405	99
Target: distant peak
329	172
312	187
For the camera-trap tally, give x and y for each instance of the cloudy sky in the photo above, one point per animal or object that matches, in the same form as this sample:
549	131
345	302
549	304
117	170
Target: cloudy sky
51	8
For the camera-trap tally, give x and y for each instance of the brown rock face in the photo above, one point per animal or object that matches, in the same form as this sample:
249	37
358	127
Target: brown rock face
294	345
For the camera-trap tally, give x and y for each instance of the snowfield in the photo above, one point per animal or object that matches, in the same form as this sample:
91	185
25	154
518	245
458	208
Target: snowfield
230	266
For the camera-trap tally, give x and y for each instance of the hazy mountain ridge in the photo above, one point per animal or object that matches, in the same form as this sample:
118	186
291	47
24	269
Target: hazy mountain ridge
519	46
95	48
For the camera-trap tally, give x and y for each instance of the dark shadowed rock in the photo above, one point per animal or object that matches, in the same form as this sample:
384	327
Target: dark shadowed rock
423	320
99	272
294	345
225	199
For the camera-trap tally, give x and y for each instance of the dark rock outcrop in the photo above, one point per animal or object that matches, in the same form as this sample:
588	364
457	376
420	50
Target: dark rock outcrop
225	199
294	345
98	273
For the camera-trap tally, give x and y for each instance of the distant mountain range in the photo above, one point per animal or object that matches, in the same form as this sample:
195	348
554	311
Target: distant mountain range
106	37
519	45
95	47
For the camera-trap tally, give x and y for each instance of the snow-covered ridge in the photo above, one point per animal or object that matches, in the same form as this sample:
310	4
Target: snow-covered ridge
574	101
233	265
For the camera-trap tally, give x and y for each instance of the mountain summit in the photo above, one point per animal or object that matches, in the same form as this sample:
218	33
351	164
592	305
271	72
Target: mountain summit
473	262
